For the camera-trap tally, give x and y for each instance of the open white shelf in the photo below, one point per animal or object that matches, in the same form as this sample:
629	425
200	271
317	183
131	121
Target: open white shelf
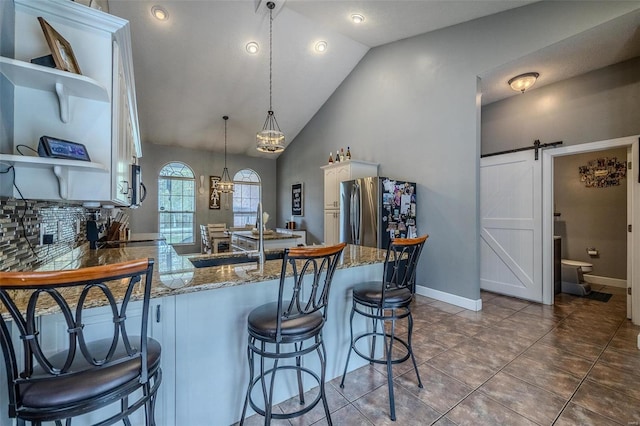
58	166
62	83
46	162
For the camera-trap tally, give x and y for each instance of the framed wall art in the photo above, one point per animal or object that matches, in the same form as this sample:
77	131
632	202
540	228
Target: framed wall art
297	199
60	48
214	193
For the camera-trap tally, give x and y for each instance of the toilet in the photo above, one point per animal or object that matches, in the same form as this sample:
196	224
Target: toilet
573	277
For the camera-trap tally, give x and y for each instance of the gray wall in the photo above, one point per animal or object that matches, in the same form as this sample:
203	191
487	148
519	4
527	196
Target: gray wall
591	217
154	157
411	106
602	104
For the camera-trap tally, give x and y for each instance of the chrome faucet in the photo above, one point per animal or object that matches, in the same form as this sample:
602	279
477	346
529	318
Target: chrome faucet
260	254
261	236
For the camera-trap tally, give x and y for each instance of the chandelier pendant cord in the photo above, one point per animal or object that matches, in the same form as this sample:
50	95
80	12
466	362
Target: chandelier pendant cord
270	57
225	144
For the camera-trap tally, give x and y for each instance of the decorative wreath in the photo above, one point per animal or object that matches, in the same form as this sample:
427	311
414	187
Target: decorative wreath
603	172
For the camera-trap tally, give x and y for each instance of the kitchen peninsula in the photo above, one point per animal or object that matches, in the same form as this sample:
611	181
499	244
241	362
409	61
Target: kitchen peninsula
199	317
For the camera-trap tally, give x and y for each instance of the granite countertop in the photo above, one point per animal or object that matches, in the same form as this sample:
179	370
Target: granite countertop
174	274
271	235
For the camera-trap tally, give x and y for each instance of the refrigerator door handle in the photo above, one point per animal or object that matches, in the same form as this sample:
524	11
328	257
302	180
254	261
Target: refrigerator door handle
356	219
373	207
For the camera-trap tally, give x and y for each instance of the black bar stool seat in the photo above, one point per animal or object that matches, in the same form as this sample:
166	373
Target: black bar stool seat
263	322
88	382
370	294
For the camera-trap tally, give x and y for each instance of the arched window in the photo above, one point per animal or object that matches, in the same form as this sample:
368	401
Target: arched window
246	196
176	203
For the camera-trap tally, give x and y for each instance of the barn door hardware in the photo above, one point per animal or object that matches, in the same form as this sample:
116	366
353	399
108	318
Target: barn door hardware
537	146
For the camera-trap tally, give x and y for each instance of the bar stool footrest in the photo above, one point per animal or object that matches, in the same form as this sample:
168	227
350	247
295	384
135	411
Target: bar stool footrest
282	416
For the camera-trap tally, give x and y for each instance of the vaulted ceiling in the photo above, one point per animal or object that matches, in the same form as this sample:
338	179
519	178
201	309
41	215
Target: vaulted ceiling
194	68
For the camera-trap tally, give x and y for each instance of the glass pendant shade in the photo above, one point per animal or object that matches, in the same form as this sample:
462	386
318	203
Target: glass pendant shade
225	185
270	139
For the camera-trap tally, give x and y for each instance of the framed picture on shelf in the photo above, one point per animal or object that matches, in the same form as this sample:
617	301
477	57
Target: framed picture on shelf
60	48
214	194
297	199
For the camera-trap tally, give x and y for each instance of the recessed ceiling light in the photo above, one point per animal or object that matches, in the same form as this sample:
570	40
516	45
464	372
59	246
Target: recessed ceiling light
357	18
159	13
253	47
321	46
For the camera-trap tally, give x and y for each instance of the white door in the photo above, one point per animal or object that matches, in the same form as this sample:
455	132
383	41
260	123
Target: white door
511	225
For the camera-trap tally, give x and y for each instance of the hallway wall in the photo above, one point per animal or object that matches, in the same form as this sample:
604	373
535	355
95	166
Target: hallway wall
599	105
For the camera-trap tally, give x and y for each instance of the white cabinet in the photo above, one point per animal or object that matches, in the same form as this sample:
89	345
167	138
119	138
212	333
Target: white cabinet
331	226
123	130
63	105
98	323
334	174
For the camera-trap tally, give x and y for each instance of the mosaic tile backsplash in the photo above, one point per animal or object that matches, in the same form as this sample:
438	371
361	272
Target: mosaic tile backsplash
20	228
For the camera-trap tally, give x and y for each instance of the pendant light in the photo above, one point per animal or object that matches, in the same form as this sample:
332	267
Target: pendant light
270	139
225	185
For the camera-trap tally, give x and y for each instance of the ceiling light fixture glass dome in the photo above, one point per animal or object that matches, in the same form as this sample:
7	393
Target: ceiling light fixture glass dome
270	139
522	82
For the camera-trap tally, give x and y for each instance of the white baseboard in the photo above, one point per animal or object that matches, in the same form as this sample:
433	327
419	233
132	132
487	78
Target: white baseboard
613	282
463	302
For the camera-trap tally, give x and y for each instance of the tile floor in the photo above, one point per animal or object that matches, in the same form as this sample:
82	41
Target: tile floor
513	363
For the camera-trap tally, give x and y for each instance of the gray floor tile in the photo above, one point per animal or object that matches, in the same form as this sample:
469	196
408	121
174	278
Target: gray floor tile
539	405
609	403
576	415
479	410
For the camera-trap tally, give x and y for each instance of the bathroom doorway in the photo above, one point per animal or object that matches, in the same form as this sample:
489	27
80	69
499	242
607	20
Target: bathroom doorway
630	146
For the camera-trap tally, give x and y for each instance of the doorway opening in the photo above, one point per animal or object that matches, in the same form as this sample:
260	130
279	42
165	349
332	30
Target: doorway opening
633	211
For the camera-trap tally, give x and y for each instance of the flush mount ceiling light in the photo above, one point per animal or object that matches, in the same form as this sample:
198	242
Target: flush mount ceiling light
321	46
159	13
522	82
357	18
253	47
270	139
225	185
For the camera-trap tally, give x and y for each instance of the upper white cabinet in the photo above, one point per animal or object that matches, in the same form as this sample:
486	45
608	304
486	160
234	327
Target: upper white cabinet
334	174
97	109
339	172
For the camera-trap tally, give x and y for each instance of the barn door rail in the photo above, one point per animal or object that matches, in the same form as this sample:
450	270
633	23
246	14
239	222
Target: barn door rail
537	146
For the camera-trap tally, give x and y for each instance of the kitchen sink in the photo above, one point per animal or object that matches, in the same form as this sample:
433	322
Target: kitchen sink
232	258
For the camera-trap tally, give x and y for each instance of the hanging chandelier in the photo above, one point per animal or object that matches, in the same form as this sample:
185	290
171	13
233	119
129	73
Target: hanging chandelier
270	139
225	185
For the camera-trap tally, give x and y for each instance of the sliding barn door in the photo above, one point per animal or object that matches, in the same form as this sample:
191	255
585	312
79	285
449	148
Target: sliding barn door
511	225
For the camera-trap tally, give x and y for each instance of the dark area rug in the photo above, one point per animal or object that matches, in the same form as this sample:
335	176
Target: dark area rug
596	295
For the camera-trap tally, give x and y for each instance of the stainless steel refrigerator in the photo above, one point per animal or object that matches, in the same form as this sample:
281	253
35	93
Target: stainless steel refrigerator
376	210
